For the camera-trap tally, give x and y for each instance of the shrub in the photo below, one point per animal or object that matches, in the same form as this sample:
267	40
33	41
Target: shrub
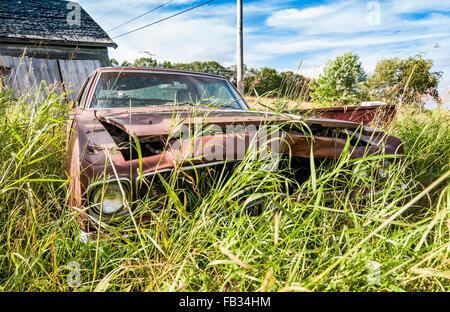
340	83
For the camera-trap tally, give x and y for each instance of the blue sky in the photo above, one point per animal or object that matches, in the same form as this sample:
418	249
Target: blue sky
280	34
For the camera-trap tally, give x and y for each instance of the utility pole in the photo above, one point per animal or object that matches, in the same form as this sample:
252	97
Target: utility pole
240	51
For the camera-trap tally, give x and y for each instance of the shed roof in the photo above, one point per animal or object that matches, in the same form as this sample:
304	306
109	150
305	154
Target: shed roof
46	21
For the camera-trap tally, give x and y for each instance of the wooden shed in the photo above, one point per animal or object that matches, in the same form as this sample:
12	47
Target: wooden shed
49	40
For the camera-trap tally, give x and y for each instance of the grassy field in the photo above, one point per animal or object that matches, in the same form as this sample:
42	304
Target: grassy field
395	239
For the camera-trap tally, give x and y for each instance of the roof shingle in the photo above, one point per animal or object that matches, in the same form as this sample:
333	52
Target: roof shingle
46	20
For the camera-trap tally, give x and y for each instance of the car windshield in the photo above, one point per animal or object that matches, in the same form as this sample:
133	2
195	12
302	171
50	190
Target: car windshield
141	89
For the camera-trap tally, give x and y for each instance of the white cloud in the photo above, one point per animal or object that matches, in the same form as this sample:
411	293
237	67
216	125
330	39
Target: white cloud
185	40
295	17
413	6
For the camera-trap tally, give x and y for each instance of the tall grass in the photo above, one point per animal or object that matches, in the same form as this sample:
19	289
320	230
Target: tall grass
370	237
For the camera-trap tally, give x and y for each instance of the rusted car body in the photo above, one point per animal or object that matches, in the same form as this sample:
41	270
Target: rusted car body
381	114
118	107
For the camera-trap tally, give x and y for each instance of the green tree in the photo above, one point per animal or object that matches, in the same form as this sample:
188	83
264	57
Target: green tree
409	80
113	62
262	80
145	62
205	67
270	80
125	64
166	64
340	82
281	84
384	83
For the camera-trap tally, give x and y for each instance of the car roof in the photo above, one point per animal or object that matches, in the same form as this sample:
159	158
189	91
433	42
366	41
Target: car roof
160	70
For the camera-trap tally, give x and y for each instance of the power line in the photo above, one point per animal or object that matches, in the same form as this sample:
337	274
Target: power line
161	20
115	11
143	14
118	10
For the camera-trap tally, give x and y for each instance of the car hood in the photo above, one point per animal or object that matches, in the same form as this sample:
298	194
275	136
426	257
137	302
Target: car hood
157	123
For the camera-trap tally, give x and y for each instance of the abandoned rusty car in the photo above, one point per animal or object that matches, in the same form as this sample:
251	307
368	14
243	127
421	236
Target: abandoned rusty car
132	126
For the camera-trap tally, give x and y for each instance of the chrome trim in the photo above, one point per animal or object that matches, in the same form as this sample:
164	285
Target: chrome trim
91	90
94	184
85	88
127	197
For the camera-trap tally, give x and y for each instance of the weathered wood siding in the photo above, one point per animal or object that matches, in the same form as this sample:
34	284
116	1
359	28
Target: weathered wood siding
74	73
27	74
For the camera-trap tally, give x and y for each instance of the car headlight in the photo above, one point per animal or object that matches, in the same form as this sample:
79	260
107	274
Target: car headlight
108	200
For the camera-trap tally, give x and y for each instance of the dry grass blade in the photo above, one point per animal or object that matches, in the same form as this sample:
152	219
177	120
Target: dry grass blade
432	272
294	288
277	227
266	280
235	259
